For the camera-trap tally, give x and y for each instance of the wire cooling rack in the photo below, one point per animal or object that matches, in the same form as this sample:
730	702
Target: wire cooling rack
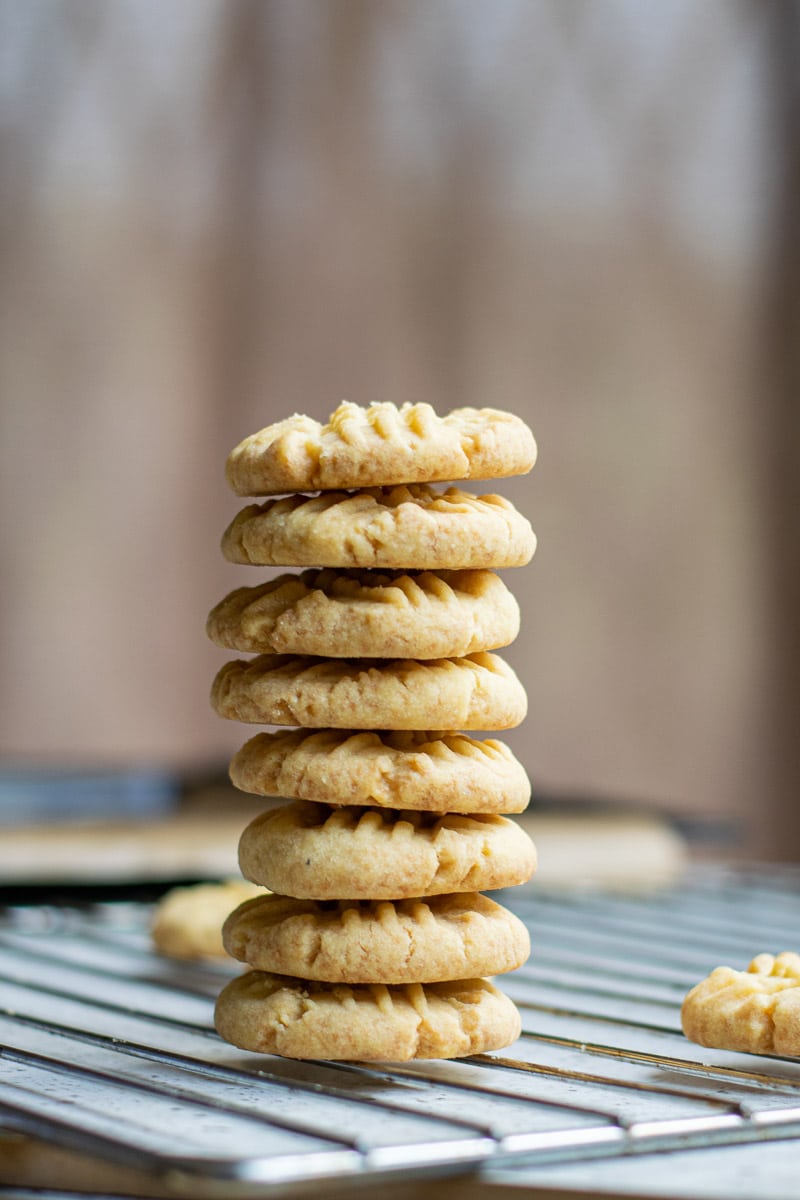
109	1049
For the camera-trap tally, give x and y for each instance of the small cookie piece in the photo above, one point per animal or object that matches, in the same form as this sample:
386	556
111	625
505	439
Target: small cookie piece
757	1010
368	614
347	941
315	852
479	691
379	445
274	1014
414	528
187	921
429	772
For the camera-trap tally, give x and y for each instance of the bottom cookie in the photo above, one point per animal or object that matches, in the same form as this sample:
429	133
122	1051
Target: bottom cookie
276	1014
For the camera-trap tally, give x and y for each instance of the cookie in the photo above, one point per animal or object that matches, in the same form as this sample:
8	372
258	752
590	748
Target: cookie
364	614
429	772
414	528
315	852
275	1014
757	1010
427	941
380	445
479	691
187	921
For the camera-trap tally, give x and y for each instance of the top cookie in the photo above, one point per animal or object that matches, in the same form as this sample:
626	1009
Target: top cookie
379	446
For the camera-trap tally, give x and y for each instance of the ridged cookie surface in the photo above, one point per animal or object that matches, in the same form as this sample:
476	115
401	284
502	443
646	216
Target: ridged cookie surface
379	445
479	691
314	852
407	528
368	614
424	941
274	1014
430	772
757	1010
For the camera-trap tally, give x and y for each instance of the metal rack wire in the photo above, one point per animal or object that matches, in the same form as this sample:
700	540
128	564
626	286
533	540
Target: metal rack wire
109	1049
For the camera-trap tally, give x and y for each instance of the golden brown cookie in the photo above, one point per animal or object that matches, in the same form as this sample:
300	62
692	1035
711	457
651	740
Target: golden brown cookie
407	528
274	1014
757	1010
382	941
368	614
187	921
429	772
315	852
479	691
380	445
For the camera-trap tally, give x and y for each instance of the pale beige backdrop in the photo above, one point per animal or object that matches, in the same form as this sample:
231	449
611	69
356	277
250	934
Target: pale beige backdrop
215	214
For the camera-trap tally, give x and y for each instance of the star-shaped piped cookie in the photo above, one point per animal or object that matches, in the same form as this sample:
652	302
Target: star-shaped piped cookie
757	1010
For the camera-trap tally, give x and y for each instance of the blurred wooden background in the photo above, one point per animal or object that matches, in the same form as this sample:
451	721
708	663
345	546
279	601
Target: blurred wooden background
215	214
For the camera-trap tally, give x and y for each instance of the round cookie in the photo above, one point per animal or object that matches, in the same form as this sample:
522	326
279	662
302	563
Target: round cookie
429	772
368	614
314	852
274	1014
427	941
479	691
379	445
407	528
187	921
757	1010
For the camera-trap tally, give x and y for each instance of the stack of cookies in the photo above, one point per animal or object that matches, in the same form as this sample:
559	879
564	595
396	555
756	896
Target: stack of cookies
374	941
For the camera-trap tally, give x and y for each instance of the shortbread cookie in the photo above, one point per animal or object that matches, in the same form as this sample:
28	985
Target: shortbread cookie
408	528
429	772
369	614
757	1010
315	852
427	941
379	445
477	692
187	921
274	1014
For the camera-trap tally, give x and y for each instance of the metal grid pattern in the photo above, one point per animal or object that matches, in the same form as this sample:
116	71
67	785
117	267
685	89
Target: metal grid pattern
109	1049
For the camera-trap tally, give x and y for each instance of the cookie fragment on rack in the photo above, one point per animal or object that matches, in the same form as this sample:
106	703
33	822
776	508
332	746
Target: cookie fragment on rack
368	614
348	941
379	445
273	1014
757	1010
415	528
428	772
479	691
315	852
187	921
